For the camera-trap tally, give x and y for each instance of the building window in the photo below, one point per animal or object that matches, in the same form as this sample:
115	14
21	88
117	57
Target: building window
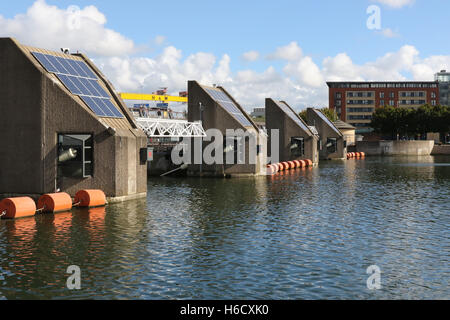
382	95
75	155
433	102
433	95
382	103
392	95
338	95
392	103
297	147
331	145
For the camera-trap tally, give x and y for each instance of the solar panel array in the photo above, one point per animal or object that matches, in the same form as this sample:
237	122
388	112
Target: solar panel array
324	118
292	115
80	80
221	98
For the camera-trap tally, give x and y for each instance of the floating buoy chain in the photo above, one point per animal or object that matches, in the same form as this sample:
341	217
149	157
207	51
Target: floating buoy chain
356	155
41	209
274	168
11	208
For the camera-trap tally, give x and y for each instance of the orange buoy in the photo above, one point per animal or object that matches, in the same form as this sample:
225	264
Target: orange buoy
55	202
358	154
348	156
362	154
302	163
90	198
309	163
297	163
291	164
271	169
11	208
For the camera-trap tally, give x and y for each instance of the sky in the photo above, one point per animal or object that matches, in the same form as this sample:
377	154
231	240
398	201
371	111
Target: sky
281	49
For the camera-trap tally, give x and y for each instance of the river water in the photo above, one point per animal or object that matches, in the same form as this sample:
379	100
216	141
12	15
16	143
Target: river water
306	234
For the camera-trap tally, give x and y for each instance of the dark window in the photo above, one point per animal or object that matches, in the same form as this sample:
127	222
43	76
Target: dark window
331	145
297	147
75	155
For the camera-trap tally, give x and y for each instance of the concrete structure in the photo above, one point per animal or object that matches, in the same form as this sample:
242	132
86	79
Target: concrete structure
441	150
296	141
332	143
395	148
347	130
52	141
443	78
355	102
217	109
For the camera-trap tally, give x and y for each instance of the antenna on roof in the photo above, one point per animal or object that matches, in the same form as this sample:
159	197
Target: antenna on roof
65	50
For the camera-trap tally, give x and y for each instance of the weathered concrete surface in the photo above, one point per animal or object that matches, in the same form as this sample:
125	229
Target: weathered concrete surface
393	148
441	150
276	119
35	107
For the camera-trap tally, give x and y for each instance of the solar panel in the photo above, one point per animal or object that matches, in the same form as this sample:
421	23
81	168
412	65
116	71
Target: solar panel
226	103
80	80
324	118
292	115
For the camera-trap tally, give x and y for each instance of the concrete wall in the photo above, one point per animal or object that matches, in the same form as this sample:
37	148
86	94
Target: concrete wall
441	150
349	136
215	117
276	118
392	148
21	128
35	108
326	131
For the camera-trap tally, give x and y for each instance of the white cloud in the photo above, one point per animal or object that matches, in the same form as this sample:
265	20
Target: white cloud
159	40
389	33
250	56
291	52
300	81
396	3
50	27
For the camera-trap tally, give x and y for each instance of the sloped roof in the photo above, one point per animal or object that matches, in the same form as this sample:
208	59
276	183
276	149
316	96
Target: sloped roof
343	125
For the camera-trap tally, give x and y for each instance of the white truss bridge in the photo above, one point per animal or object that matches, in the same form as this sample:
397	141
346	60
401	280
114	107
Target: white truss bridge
165	128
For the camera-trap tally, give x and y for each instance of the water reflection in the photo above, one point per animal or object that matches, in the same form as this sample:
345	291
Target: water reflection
306	233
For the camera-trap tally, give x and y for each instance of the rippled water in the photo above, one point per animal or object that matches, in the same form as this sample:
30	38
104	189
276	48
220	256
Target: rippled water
308	234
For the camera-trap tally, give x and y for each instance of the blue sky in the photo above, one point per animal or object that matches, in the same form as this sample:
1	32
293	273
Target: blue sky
322	29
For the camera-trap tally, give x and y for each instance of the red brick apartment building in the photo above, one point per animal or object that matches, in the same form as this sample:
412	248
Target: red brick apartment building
355	102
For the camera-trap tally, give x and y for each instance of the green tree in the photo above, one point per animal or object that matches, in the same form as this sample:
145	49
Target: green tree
411	122
302	115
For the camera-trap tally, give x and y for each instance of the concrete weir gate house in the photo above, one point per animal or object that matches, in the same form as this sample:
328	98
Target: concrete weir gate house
296	140
63	128
217	109
332	142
